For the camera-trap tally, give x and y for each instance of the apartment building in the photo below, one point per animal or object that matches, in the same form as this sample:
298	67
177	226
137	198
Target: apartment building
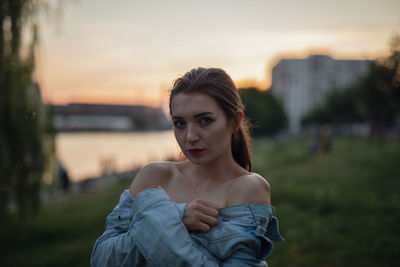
303	84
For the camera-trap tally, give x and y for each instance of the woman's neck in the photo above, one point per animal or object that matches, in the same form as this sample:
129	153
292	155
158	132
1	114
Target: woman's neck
216	172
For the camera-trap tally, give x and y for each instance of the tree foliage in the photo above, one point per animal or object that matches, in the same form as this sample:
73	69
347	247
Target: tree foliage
23	129
341	106
264	111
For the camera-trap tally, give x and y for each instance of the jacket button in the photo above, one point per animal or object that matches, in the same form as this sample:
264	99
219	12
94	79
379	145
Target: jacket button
225	219
263	220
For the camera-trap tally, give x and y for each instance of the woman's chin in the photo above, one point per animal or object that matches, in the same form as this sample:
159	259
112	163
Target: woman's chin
197	159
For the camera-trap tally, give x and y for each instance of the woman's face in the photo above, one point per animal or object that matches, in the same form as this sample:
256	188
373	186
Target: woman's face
201	127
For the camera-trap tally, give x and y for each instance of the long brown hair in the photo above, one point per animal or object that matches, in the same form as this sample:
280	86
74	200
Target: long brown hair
217	84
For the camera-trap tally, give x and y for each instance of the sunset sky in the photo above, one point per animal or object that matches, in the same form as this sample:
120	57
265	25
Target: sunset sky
129	52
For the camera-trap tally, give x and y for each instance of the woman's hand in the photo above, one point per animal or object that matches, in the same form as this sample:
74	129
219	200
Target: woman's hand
200	215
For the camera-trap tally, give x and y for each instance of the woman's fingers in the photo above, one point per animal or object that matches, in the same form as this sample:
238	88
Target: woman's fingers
200	215
209	220
208	204
203	227
208	208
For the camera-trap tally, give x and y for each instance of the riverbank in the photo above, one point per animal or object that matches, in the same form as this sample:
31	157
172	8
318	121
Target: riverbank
55	192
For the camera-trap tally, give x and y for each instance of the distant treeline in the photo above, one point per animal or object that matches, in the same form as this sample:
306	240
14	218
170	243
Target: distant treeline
264	111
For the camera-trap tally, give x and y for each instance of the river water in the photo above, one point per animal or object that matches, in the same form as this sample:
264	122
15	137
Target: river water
89	154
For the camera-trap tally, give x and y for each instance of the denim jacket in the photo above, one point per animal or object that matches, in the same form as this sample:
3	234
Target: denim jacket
148	231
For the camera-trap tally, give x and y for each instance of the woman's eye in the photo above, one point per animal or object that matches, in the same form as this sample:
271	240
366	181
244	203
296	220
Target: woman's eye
205	121
179	124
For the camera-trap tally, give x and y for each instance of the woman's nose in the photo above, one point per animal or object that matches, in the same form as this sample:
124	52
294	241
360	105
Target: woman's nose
192	133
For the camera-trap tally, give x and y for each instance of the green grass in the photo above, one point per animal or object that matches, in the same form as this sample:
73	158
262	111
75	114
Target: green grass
335	209
63	233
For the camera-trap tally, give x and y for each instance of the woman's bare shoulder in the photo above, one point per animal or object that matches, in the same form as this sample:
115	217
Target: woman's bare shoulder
152	175
250	188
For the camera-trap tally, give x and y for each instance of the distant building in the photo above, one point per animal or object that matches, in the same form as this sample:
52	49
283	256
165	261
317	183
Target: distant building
303	84
99	117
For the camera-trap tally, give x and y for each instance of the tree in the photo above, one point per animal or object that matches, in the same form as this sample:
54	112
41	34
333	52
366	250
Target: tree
22	131
264	111
340	107
392	73
377	99
382	89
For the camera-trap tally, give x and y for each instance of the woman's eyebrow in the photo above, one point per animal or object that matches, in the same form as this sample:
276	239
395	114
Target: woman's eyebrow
203	113
195	116
177	118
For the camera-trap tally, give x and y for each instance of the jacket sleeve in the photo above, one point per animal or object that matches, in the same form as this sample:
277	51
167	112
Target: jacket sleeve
160	234
115	246
147	230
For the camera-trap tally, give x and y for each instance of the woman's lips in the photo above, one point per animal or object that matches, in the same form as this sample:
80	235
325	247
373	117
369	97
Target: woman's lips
195	151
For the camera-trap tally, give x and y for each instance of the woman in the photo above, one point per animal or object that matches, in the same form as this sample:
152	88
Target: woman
208	210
